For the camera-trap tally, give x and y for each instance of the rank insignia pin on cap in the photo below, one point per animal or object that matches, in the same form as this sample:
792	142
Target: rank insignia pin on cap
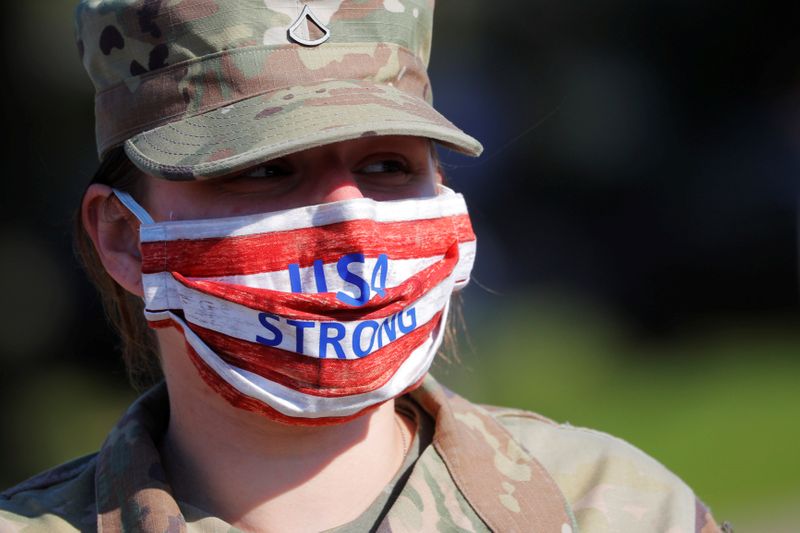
302	24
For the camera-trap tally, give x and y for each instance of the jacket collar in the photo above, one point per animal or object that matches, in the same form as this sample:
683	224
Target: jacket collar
505	485
131	488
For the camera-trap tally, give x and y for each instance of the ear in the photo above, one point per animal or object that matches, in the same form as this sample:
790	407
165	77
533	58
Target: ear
115	234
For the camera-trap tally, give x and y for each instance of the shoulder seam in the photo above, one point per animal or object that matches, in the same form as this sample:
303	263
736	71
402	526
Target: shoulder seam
508	412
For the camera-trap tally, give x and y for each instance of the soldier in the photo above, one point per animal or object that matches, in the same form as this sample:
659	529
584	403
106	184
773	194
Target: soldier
269	229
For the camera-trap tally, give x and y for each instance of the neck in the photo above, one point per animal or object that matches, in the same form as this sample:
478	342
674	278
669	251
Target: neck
247	470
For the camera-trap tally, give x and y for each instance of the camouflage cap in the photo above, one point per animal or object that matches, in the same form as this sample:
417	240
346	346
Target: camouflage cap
199	88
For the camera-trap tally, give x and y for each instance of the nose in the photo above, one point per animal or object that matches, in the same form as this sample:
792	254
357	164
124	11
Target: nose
336	182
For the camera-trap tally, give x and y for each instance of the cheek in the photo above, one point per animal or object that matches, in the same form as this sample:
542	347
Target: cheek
173	206
275	199
168	200
430	188
421	190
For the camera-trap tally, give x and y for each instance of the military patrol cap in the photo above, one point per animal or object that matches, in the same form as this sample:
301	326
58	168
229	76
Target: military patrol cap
195	89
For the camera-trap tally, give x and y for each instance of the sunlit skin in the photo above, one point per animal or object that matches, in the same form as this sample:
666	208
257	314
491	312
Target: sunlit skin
253	473
381	168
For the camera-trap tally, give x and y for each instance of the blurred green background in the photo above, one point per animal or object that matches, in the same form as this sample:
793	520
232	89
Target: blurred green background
636	219
717	405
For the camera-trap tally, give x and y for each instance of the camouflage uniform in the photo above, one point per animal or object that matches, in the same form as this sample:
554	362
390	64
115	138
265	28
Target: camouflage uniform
486	469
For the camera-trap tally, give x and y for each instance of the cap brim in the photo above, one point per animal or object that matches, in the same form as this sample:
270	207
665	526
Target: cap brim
282	122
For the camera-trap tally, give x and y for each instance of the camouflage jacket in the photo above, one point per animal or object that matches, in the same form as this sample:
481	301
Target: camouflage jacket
487	469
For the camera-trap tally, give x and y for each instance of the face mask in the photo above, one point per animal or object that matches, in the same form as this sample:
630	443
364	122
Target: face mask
315	314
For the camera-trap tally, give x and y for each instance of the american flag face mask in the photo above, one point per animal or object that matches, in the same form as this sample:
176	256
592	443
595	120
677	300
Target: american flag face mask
310	315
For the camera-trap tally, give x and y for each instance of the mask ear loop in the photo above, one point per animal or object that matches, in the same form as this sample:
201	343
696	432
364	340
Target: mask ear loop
137	210
144	220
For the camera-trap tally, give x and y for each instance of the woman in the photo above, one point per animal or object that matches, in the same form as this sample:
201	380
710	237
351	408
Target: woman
269	198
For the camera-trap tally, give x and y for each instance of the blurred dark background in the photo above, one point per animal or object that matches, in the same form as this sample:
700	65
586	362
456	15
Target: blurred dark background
636	210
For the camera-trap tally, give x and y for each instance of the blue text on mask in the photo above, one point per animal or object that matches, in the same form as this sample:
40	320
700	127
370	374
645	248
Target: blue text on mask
364	290
367	337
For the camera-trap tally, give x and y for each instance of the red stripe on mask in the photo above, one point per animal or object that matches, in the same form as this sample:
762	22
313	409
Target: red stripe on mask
237	399
269	252
319	377
326	306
